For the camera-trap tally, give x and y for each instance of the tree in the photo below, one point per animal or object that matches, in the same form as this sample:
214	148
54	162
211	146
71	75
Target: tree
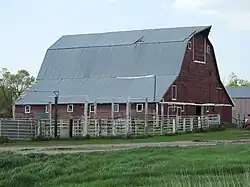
12	86
234	81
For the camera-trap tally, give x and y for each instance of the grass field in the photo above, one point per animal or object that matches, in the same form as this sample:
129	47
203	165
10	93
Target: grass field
229	134
225	165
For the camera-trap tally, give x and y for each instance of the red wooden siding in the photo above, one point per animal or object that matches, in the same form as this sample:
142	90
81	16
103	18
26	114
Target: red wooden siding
200	82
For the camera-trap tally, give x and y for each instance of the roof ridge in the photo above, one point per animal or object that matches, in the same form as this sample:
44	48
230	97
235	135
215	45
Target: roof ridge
133	30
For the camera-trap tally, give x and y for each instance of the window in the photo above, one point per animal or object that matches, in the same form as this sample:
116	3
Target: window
174	92
70	108
189	45
139	107
208	49
27	109
116	107
92	108
218	94
47	109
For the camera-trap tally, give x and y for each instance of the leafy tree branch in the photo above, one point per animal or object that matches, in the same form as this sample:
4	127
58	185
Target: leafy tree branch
12	86
234	81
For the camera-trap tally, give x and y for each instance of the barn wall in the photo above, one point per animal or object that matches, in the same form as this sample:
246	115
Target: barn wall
39	111
242	108
103	111
199	82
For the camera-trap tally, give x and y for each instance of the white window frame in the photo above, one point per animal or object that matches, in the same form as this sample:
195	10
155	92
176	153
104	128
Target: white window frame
189	45
68	107
174	87
208	49
90	107
137	107
199	62
27	109
116	107
46	109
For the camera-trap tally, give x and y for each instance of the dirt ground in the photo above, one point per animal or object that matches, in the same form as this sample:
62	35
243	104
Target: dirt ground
113	147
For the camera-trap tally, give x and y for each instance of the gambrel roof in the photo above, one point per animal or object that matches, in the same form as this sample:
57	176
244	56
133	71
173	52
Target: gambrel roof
111	65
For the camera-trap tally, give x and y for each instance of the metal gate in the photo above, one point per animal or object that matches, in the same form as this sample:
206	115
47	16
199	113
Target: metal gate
18	129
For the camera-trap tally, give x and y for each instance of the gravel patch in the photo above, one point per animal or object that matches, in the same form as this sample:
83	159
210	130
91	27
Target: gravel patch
115	147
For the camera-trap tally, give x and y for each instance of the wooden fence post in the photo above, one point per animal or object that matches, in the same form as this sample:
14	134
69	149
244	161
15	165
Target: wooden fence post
184	125
113	117
86	118
162	116
127	117
174	123
191	124
146	117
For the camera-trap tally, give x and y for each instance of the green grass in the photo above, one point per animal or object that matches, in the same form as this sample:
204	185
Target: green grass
220	166
229	134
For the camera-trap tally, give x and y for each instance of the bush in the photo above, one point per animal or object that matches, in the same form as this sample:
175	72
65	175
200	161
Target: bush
4	139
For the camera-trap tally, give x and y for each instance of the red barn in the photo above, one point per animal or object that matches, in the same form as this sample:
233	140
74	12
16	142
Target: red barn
97	74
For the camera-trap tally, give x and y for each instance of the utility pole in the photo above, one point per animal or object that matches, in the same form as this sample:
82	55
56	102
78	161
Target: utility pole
56	112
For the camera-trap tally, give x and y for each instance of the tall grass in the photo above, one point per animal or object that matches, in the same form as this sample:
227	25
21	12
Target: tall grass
220	166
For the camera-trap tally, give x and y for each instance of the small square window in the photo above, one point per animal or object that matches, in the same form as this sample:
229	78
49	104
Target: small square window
174	92
70	108
189	45
47	109
92	108
139	107
116	107
27	109
208	49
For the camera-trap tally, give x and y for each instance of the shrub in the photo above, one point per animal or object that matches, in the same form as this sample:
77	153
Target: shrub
4	139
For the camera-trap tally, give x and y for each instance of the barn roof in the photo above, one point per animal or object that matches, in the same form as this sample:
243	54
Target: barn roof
111	65
239	92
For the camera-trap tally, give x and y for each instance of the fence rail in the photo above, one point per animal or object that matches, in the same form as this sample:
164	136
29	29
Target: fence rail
27	129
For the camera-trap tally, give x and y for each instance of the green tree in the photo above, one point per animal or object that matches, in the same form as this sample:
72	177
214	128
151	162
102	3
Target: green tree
234	81
12	86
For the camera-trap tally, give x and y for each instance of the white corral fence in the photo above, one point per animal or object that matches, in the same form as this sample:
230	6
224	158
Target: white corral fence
121	127
27	129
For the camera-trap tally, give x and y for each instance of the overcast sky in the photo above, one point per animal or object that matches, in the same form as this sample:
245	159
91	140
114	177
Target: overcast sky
29	27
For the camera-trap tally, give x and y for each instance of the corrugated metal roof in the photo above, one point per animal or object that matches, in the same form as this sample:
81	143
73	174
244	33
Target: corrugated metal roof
239	92
89	64
103	90
132	60
126	37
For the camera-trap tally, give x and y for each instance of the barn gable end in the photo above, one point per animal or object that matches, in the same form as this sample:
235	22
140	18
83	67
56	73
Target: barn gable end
199	80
